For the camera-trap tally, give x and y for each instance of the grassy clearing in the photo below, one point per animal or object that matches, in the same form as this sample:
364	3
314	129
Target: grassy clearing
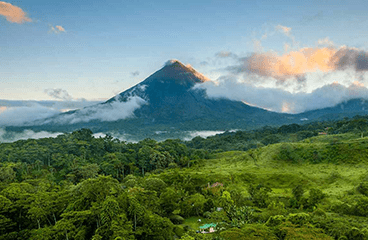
340	168
193	222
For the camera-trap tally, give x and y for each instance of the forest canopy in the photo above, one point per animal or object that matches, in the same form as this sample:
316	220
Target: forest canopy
288	182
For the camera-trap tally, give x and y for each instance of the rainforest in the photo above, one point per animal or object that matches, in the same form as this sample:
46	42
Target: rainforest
290	182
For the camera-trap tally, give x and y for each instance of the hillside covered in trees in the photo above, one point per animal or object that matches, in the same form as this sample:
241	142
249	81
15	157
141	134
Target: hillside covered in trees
289	182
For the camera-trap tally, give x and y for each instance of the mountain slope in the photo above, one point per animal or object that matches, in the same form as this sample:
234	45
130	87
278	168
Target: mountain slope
349	108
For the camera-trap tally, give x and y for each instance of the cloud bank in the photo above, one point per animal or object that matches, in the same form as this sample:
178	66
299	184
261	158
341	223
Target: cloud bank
25	113
295	64
112	111
13	13
8	136
18	116
18	113
280	100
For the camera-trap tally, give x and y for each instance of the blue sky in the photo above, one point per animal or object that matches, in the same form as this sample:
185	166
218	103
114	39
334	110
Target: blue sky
95	49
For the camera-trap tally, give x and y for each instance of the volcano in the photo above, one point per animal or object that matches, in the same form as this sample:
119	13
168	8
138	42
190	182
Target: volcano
172	98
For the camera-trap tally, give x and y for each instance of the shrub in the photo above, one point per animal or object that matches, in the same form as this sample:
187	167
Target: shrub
154	184
298	192
220	216
259	195
275	220
298	218
363	188
179	231
258	231
356	234
233	234
361	207
176	219
315	197
288	231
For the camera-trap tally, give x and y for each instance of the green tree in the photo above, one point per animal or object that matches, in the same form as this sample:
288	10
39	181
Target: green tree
144	154
136	211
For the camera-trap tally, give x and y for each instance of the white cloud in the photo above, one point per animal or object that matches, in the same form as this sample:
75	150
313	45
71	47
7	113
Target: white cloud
59	93
283	29
325	41
109	112
203	134
17	113
7	136
17	116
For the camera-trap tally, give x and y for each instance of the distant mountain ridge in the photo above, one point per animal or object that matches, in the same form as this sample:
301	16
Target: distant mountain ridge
349	108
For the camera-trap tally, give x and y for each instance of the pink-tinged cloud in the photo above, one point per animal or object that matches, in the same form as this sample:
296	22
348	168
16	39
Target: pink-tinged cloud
57	29
292	64
13	13
2	109
60	28
296	64
285	30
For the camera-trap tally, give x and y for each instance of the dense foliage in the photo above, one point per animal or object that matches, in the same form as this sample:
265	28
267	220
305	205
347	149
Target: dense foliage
245	140
292	183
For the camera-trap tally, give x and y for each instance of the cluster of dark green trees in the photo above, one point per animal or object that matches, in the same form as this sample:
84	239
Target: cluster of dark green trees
79	155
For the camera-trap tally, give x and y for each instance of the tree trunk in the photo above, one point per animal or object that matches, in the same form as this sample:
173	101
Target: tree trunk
38	223
20	216
53	214
48	220
135	221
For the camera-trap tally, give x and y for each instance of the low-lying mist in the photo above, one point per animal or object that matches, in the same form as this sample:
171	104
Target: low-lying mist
12	136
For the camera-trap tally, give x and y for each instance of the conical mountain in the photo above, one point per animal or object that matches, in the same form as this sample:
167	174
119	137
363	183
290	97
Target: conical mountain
171	98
